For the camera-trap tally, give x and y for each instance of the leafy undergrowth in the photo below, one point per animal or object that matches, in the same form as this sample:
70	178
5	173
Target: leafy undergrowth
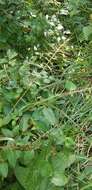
45	95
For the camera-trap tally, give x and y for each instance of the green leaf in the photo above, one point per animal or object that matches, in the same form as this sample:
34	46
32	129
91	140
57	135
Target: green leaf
7	132
45	168
49	116
59	180
36	175
57	136
87	31
69	85
62	161
4	169
5	120
11	157
24	176
27	156
24	122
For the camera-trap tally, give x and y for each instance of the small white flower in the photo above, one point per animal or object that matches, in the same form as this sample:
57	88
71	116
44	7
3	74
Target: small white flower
67	32
50	32
47	16
60	27
58	39
79	53
33	15
54	18
35	48
45	33
11	12
64	12
36	53
63	38
52	23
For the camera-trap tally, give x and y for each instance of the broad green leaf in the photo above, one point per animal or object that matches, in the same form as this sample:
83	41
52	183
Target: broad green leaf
4	169
87	31
59	180
62	161
35	175
25	177
7	132
27	156
69	85
57	136
45	168
24	122
11	157
49	116
4	121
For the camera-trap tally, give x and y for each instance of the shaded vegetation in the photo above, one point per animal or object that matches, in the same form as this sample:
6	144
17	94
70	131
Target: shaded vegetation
46	95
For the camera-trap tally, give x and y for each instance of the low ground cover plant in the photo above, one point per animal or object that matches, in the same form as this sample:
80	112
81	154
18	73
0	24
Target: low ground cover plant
45	95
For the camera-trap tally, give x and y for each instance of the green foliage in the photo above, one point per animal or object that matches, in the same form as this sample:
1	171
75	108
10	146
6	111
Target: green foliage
70	85
3	169
87	30
45	94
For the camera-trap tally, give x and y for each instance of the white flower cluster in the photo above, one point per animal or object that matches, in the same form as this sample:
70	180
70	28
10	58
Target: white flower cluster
57	30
